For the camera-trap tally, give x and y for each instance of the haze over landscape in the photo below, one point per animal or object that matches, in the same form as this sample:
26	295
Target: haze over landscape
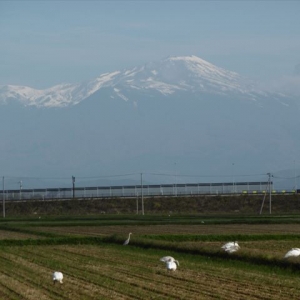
181	91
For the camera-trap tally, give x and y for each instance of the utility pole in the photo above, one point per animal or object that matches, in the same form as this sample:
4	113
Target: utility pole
270	193
73	182
3	197
233	189
175	192
295	177
20	189
142	195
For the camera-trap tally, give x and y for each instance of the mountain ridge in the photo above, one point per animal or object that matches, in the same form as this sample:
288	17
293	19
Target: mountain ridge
167	77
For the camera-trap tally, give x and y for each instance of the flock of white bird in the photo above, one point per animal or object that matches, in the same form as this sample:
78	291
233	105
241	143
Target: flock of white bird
231	247
172	263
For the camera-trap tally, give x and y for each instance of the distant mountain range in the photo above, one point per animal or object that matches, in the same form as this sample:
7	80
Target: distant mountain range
167	77
180	115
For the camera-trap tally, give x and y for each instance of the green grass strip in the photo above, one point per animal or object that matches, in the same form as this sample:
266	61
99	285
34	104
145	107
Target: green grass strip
221	237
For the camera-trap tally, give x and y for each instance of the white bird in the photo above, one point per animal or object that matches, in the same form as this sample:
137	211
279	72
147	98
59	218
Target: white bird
231	247
166	258
294	252
57	276
171	265
127	241
171	262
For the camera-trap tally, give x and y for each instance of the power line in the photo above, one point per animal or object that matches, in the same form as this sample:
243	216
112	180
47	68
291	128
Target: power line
203	176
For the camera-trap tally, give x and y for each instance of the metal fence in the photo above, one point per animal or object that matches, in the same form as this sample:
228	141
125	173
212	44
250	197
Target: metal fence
138	190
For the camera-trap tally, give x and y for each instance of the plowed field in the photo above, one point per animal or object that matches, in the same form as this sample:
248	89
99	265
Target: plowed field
177	229
4	234
118	272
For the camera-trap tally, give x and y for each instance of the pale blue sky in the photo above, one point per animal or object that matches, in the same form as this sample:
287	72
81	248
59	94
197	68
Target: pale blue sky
43	43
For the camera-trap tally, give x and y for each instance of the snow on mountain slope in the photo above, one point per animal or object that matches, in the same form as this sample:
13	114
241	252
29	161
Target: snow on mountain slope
185	73
56	96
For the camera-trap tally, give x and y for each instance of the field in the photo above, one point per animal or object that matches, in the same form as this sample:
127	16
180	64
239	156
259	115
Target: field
89	251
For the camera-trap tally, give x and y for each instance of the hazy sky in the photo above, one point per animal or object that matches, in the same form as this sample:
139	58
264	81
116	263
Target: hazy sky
43	43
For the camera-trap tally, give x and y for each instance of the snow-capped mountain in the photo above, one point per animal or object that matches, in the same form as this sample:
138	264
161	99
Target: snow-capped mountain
180	112
168	76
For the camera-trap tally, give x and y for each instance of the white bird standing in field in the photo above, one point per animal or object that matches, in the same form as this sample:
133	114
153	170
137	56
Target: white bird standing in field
171	262
231	247
294	252
57	276
171	265
127	241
